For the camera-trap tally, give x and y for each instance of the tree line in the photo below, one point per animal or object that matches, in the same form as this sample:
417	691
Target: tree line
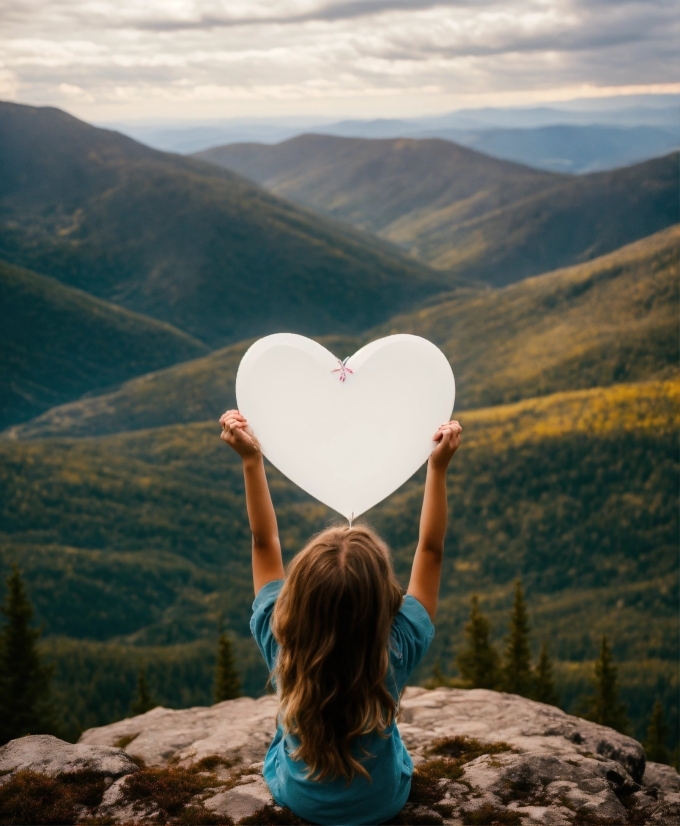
25	678
480	665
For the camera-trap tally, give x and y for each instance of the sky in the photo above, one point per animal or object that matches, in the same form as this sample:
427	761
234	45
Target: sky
135	60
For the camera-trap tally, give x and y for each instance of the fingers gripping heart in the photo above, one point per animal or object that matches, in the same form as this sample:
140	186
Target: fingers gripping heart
237	433
447	438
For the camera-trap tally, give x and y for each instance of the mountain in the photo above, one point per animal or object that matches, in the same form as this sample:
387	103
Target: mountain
614	319
568	148
631	111
183	241
459	210
58	343
139	540
373	184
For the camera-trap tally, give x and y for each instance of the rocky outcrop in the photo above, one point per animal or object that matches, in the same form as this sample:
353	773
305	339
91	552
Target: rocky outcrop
48	755
481	757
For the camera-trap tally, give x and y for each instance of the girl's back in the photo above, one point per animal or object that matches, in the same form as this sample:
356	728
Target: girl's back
340	642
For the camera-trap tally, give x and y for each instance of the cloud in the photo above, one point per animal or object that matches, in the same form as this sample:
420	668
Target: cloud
409	56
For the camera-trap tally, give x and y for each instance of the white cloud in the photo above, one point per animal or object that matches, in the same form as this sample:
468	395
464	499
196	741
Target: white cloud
353	57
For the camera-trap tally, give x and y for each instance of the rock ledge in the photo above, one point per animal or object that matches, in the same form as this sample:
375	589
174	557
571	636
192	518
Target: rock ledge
480	756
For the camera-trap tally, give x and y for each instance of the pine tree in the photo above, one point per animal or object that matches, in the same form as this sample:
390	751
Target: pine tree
655	744
24	679
227	683
437	680
142	702
604	706
517	675
478	661
544	690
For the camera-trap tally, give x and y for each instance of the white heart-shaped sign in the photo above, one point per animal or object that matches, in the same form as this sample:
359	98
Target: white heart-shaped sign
347	434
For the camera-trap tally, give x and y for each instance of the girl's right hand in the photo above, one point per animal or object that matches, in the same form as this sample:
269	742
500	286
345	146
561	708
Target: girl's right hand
448	442
239	435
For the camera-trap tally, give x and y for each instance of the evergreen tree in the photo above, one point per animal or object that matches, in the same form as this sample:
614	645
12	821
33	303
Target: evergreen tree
437	679
24	679
478	661
544	690
227	683
656	749
604	706
142	702
517	677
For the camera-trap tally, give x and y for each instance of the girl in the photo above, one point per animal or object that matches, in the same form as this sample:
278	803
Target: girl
340	642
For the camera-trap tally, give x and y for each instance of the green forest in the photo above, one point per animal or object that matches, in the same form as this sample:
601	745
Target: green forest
125	515
138	543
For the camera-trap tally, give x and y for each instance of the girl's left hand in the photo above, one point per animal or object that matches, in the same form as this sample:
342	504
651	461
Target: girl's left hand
448	436
238	434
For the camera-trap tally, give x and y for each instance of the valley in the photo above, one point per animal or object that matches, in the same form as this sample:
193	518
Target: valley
461	211
133	281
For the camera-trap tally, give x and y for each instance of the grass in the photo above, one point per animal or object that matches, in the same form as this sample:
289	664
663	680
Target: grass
465	749
490	815
274	815
32	798
170	791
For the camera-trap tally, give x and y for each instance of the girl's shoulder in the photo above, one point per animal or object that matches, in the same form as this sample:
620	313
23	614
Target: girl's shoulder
411	635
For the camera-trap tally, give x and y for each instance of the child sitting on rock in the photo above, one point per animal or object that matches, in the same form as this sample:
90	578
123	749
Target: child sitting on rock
340	641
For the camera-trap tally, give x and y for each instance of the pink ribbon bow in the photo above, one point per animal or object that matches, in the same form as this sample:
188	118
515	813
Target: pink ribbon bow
343	369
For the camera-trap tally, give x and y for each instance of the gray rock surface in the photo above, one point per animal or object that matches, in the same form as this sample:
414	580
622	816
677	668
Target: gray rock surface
238	730
662	777
521	762
244	800
45	754
533	727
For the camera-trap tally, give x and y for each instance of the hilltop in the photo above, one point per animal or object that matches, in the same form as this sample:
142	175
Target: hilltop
614	319
183	241
480	757
459	210
58	343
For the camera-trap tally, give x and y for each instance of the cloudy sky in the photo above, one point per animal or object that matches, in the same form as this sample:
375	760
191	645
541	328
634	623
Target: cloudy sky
199	59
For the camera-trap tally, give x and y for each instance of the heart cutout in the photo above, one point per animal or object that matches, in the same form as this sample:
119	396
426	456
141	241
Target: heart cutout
349	436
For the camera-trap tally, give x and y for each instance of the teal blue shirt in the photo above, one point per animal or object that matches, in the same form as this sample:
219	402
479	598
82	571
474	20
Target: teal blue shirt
335	801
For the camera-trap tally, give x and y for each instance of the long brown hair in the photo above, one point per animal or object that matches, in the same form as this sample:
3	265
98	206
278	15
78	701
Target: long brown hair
332	621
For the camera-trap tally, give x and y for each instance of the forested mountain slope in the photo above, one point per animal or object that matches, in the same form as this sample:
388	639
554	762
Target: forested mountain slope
462	211
141	539
184	241
58	343
373	183
614	319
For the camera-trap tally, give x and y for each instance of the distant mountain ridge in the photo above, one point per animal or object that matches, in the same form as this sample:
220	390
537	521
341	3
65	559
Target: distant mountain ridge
610	320
183	241
58	343
657	113
571	148
372	184
459	210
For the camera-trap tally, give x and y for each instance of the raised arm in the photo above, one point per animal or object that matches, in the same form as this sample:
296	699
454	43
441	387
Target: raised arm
427	562
267	559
